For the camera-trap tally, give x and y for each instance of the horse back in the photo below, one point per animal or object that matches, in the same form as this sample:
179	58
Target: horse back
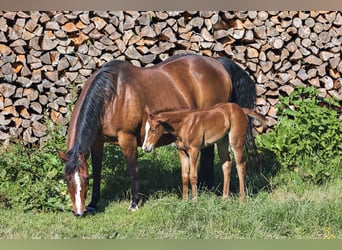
189	81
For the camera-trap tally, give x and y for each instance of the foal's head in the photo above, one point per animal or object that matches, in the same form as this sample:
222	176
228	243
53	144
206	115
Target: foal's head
77	177
153	131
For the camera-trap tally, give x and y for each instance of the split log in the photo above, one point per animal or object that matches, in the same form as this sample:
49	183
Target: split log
46	57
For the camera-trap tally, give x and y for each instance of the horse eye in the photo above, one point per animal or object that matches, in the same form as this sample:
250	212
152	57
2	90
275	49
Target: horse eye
153	131
68	178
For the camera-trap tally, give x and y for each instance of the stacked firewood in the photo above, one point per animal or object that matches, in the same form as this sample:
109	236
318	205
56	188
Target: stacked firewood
46	56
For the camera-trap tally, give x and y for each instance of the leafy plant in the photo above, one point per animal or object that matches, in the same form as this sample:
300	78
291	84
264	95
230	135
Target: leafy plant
307	138
32	177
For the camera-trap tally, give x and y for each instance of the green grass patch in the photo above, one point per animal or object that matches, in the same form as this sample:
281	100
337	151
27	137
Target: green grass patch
315	213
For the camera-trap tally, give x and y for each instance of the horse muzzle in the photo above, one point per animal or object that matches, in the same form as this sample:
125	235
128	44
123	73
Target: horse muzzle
76	214
147	148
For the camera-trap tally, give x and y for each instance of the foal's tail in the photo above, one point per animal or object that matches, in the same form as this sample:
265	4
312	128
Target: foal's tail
259	117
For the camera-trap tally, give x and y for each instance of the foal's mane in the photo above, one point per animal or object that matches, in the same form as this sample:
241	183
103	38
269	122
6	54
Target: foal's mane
101	90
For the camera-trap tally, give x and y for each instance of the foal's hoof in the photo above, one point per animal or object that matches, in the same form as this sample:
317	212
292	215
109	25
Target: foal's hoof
91	210
133	207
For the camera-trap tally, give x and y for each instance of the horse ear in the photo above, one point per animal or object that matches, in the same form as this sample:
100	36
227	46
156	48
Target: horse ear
147	110
62	155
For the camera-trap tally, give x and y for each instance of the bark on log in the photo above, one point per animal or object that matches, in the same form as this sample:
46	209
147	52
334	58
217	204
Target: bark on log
47	56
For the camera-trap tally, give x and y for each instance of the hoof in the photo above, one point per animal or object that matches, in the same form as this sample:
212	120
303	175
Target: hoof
133	207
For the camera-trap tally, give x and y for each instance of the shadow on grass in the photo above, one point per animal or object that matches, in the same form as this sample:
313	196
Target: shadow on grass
160	173
257	177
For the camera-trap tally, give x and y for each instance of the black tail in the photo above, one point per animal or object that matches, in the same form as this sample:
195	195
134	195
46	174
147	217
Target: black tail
244	94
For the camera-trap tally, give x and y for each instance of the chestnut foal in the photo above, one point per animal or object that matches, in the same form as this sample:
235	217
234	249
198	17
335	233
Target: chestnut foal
197	129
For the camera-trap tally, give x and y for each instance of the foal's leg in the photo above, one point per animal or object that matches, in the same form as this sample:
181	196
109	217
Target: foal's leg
193	155
184	159
237	142
222	147
96	159
128	144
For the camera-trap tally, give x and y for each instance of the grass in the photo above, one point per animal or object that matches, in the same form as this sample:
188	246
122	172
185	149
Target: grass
313	213
283	211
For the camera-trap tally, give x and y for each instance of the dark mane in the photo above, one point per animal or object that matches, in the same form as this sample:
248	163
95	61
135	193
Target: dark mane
100	91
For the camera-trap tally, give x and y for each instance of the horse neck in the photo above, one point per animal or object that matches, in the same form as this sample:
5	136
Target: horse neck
90	107
174	118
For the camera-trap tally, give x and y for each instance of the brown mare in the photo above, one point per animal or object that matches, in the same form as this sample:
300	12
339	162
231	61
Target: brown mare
197	129
111	108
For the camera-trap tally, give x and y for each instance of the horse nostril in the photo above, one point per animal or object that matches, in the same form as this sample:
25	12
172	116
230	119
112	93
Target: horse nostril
79	214
147	149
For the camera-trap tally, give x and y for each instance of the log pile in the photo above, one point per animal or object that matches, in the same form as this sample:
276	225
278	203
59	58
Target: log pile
46	56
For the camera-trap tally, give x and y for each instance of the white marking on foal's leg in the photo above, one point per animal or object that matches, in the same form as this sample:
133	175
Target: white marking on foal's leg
147	129
78	193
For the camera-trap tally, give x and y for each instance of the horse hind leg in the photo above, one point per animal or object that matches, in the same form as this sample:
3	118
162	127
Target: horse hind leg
184	159
237	147
223	152
194	156
206	169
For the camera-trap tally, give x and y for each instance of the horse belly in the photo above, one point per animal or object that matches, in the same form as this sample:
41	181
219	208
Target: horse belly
215	131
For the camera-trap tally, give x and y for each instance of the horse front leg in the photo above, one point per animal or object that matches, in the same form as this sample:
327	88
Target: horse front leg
193	155
184	159
96	158
128	144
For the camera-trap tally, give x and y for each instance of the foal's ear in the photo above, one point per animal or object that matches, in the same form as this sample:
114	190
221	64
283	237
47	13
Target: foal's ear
147	110
62	155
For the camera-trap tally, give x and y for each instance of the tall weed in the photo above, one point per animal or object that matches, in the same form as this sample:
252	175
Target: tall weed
32	177
307	138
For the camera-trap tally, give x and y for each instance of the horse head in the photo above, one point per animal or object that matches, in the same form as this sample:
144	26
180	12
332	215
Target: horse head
154	129
77	177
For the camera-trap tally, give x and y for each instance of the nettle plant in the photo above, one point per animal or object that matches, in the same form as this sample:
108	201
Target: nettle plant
307	138
32	177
